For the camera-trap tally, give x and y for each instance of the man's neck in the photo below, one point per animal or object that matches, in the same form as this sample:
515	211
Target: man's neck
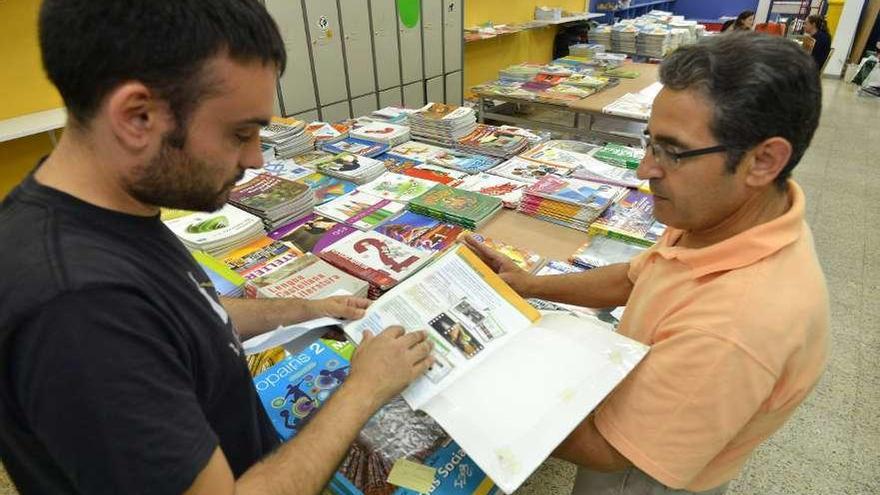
78	168
758	209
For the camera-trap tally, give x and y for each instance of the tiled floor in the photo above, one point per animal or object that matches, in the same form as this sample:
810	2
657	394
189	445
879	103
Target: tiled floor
832	443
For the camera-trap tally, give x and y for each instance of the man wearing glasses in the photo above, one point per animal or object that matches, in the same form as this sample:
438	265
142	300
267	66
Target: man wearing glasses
732	298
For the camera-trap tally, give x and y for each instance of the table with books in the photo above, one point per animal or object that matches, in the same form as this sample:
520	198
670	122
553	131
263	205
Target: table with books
375	207
602	104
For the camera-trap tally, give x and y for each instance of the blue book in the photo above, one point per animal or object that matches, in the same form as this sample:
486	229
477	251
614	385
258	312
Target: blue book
356	146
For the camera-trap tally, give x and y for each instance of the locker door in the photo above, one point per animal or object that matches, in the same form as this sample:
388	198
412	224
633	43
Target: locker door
364	105
385	39
413	95
390	98
434	88
411	51
297	87
452	34
432	29
326	50
358	49
276	104
336	112
309	116
453	88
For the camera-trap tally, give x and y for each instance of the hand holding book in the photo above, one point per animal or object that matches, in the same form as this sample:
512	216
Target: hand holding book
517	278
388	362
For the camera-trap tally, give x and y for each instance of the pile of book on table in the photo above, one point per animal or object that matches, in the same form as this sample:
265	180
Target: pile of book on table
349	166
381	132
466	208
567	201
468	163
275	200
442	124
216	233
494	141
287	136
325	132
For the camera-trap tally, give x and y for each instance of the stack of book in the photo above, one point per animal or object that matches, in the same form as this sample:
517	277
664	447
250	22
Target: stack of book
287	136
519	72
494	141
468	209
312	233
260	257
326	188
394	115
535	136
572	203
275	200
324	132
619	155
215	233
509	191
464	162
286	169
379	260
356	146
421	232
586	50
623	37
351	167
414	150
601	35
433	173
381	132
398	187
528	171
585	81
442	124
309	277
653	41
599	171
226	282
630	219
556	156
360	210
310	159
601	251
570	145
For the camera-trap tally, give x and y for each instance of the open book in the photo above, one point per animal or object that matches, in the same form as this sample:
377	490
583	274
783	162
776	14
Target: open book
508	384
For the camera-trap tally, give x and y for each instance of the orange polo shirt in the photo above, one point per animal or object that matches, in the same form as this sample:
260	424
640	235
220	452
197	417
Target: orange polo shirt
739	336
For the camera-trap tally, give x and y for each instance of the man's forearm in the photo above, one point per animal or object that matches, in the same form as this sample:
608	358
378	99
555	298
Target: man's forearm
597	288
587	447
305	464
255	316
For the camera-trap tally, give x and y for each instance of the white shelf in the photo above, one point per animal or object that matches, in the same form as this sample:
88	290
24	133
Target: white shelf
580	17
32	123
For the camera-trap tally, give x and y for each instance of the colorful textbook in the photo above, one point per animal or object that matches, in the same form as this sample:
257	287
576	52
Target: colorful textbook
465	208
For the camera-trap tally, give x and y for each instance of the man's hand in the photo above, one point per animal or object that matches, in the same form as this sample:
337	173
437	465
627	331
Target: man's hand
517	278
342	307
386	363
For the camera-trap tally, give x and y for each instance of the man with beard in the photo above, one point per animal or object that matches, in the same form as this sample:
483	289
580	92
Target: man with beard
732	299
121	370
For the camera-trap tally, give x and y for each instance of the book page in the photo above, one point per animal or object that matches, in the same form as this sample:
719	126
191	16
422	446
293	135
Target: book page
467	310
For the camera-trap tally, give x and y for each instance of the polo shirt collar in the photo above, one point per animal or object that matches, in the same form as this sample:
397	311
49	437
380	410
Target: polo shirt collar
743	249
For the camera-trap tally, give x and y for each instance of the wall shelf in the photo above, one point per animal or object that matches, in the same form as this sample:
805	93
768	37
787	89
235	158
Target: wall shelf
32	123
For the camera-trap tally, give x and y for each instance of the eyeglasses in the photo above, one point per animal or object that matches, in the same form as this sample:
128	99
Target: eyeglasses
671	159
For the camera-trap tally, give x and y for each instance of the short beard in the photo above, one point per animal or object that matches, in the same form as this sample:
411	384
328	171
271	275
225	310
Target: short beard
175	179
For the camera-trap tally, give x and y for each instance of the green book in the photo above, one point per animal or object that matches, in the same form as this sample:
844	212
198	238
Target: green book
466	208
226	282
622	156
622	72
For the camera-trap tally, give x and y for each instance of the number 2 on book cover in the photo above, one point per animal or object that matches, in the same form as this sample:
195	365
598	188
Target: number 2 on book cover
382	250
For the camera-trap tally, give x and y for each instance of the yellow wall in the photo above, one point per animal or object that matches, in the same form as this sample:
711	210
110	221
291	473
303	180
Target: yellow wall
835	8
483	59
24	87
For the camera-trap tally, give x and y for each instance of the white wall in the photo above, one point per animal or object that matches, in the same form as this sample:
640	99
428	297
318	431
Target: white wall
844	37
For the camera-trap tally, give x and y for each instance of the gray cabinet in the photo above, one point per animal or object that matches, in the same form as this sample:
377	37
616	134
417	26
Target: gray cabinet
384	18
414	95
364	105
411	52
326	40
296	84
434	90
432	37
309	116
453	88
335	113
390	98
356	37
452	34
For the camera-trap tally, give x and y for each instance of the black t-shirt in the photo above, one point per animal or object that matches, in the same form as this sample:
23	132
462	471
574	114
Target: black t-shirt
120	372
821	48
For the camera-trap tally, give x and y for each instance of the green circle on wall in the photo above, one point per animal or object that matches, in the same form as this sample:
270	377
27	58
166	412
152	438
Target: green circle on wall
409	11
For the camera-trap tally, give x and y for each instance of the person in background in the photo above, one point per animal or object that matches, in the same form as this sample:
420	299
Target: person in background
744	21
728	24
817	28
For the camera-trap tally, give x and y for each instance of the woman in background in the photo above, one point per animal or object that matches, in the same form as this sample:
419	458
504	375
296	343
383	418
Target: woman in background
744	21
817	28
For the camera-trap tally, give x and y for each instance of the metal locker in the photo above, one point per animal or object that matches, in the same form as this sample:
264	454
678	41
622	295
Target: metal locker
414	95
335	112
453	88
296	84
358	48
326	39
385	41
390	98
276	105
432	31
364	105
434	89
411	51
452	34
308	116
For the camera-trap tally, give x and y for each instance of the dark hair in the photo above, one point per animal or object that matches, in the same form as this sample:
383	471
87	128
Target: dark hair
818	21
741	18
772	91
91	46
726	25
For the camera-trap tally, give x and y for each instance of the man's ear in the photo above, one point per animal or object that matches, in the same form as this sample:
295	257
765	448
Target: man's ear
136	116
767	160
